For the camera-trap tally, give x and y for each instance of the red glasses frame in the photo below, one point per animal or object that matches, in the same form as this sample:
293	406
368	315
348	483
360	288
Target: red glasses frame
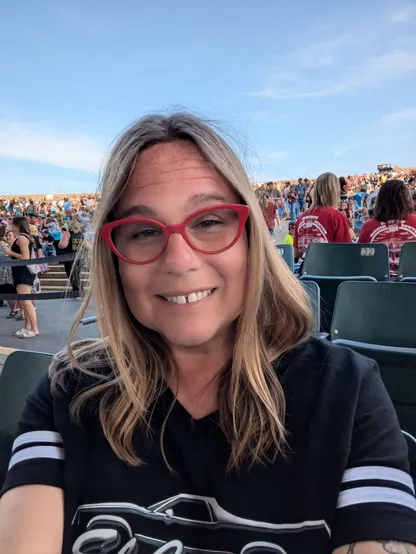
180	228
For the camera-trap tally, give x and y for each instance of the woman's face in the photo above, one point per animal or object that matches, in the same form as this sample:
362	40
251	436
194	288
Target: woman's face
173	181
10	237
15	229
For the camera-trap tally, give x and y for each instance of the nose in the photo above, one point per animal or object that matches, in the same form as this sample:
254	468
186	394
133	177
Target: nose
179	258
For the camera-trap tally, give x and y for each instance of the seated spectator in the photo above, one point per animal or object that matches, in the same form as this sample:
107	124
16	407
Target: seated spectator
290	234
322	222
394	222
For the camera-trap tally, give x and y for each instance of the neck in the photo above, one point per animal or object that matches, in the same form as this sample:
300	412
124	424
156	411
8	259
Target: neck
196	383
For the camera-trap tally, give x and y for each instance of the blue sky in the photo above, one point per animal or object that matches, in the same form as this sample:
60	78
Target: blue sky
302	86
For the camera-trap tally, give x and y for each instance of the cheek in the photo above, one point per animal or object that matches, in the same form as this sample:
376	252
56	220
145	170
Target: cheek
135	280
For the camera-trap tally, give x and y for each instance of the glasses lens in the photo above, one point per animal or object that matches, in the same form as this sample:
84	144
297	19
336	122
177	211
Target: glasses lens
138	241
213	230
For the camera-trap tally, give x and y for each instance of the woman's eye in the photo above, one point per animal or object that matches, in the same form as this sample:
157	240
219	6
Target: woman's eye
144	234
209	223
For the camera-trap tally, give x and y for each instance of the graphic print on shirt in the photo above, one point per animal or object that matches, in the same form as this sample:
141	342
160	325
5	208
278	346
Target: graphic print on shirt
394	234
182	524
310	230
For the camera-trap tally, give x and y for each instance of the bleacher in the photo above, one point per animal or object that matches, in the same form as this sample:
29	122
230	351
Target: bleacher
355	304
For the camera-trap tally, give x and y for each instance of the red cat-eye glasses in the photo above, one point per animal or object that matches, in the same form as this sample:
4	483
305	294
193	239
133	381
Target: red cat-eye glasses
211	230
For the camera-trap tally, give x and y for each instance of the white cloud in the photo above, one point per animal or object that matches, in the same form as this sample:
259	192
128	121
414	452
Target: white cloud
397	63
341	150
405	14
406	115
38	143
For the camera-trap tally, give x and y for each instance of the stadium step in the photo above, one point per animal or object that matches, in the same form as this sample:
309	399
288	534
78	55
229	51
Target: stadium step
55	279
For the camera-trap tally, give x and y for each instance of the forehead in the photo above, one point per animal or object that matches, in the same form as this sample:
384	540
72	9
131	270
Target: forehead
173	171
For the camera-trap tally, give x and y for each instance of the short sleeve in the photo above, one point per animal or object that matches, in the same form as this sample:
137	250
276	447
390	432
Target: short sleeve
342	228
377	495
37	453
364	234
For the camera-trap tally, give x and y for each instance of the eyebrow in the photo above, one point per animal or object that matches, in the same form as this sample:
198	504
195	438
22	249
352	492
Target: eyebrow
195	201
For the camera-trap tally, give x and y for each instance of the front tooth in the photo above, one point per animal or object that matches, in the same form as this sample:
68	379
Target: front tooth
205	293
199	295
181	299
192	297
174	298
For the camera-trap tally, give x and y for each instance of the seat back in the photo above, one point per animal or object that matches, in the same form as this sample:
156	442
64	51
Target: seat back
286	251
376	313
328	287
339	259
21	372
407	264
314	295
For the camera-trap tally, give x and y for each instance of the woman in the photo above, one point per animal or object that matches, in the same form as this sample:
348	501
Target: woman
23	278
394	221
72	242
292	199
323	222
209	419
269	209
6	278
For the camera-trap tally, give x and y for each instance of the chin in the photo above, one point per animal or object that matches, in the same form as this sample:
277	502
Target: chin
189	338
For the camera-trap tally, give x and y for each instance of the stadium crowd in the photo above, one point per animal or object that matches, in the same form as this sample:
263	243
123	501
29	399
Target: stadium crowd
40	229
363	208
374	208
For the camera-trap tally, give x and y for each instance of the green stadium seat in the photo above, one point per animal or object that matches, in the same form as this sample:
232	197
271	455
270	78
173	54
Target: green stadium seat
286	251
330	264
314	295
21	372
377	320
341	259
407	265
328	287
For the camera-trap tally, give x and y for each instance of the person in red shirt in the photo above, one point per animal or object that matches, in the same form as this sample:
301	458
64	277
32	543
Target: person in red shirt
269	209
394	220
323	222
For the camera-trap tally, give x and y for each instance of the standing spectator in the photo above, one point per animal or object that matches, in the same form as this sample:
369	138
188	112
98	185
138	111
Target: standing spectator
71	243
292	199
22	249
394	222
269	209
6	277
322	222
301	190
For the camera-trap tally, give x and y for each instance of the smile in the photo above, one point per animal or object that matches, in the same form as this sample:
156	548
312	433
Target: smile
189	298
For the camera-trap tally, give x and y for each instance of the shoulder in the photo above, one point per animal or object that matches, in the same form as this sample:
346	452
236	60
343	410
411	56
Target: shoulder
85	366
318	361
369	226
411	220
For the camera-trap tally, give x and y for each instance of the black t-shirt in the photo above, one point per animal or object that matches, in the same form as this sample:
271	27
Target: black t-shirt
345	477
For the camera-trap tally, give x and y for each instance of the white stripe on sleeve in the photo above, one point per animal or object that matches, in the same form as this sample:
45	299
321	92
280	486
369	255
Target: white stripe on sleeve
382	473
37	452
37	436
366	495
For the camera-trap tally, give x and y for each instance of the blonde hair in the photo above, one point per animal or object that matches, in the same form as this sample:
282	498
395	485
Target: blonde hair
326	191
275	318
